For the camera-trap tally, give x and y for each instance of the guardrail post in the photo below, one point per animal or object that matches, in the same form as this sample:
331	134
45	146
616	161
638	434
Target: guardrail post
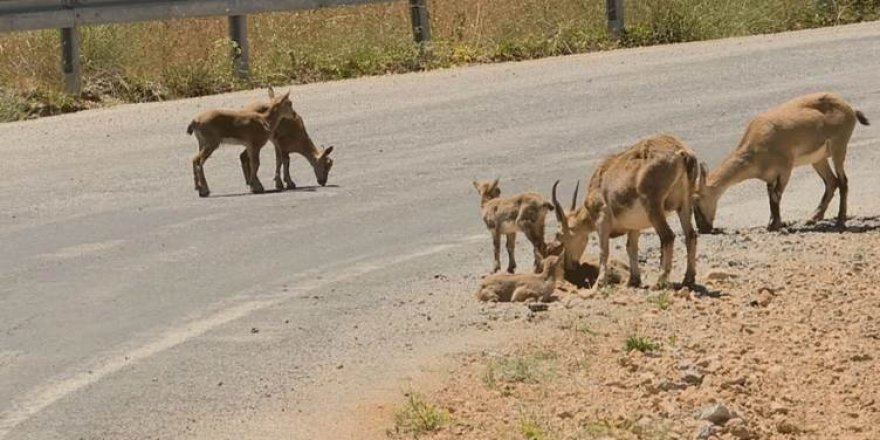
614	14
421	22
241	52
70	62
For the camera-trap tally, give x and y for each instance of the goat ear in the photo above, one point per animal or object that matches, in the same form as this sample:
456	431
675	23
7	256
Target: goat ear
476	185
495	183
704	173
327	151
271	92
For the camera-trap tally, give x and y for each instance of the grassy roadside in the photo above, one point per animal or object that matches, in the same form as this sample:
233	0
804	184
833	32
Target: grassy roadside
783	346
159	61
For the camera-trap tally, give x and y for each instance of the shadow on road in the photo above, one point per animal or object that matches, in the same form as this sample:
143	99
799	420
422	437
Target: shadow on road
312	188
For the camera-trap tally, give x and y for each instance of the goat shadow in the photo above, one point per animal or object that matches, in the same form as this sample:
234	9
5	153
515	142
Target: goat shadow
586	275
854	225
311	188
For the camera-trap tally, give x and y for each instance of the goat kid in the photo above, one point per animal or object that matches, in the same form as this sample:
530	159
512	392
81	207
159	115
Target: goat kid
524	212
251	129
521	287
292	137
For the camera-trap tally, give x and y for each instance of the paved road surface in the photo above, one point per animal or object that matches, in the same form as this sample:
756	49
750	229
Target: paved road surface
132	309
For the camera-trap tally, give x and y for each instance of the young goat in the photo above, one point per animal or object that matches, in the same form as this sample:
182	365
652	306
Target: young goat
629	192
291	137
521	287
250	129
804	131
524	212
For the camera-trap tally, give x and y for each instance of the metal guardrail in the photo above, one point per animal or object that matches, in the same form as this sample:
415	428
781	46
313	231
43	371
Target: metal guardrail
70	15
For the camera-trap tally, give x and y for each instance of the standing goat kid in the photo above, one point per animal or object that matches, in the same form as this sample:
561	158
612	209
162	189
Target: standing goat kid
291	137
629	192
804	131
524	212
250	129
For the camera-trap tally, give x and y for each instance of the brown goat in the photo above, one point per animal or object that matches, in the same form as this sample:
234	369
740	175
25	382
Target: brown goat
250	129
804	131
292	137
524	212
521	287
629	192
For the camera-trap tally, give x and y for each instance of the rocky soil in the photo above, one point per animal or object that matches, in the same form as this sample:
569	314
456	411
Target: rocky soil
780	341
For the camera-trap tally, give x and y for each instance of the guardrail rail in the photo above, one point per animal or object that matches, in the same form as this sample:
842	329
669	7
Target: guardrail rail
70	15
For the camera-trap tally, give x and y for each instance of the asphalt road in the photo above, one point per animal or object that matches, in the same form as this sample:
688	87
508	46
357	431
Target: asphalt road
132	309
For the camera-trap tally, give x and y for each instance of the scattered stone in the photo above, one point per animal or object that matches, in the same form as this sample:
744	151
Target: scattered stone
786	426
254	330
706	431
692	376
737	427
720	275
716	413
538	306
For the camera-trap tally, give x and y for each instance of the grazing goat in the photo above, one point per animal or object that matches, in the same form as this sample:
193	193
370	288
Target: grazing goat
804	131
250	129
524	212
629	192
521	287
291	137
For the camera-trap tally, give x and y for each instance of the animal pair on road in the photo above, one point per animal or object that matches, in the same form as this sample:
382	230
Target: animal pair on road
637	188
252	127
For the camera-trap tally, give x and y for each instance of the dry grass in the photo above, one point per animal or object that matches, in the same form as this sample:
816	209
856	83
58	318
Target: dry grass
155	61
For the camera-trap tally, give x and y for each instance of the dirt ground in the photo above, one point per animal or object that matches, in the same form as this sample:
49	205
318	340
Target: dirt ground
781	341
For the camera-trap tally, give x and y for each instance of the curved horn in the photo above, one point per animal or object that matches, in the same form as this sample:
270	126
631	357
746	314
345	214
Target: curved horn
560	213
574	198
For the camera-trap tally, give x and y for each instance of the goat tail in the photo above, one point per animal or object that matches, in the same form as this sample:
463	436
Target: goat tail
191	127
548	206
862	118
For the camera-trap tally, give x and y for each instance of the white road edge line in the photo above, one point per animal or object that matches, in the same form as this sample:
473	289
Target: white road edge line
46	395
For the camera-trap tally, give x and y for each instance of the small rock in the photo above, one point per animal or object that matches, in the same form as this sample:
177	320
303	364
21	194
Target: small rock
254	330
861	357
716	413
565	415
778	408
706	431
692	376
786	426
737	427
720	275
537	307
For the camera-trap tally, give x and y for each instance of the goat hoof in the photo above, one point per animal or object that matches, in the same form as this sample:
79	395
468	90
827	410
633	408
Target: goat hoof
773	227
634	282
257	189
291	185
279	186
511	269
204	193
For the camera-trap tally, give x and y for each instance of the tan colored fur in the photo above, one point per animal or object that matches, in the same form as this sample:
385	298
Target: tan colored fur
250	129
521	287
292	137
631	191
804	131
524	212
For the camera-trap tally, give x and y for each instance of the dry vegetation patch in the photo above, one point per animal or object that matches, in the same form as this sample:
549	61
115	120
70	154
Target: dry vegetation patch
165	60
781	344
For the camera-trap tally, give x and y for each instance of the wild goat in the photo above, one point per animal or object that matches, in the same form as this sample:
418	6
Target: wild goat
291	137
251	129
805	130
524	212
631	191
521	287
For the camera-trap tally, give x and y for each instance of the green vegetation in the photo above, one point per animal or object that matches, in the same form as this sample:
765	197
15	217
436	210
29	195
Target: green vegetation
418	417
158	61
641	343
531	429
518	369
